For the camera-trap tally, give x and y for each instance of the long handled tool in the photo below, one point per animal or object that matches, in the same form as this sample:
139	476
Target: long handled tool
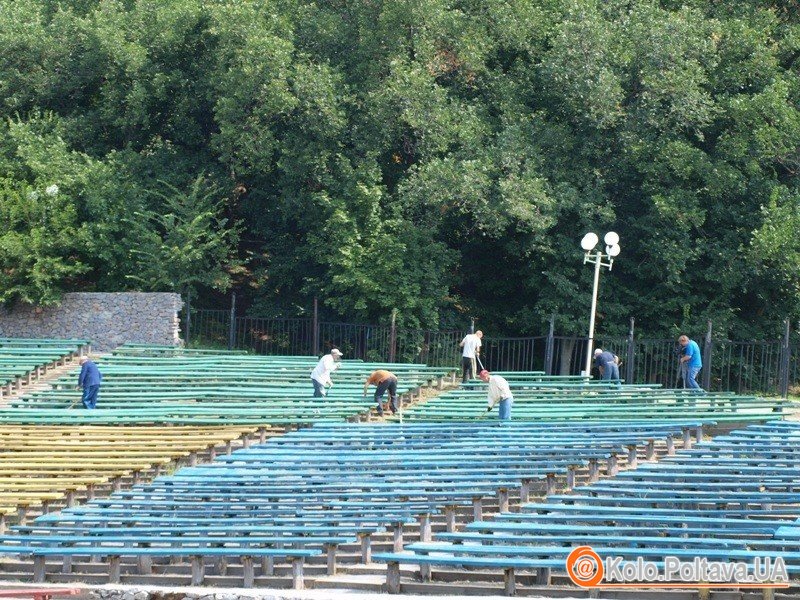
74	402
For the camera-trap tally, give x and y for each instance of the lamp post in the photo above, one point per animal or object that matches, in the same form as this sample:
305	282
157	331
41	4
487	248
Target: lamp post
596	257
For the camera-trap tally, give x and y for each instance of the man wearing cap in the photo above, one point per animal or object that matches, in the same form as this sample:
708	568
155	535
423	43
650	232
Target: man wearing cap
606	362
321	375
383	380
499	391
472	348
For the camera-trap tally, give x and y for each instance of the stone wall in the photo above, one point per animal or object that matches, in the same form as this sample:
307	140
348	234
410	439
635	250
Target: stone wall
107	319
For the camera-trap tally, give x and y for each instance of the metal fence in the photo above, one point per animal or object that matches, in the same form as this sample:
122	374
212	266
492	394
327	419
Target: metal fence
762	366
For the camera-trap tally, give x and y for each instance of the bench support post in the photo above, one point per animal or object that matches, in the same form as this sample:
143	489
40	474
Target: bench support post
425	527
670	446
297	573
145	564
550	484
650	453
38	569
450	518
502	499
543	576
268	565
393	577
477	509
633	458
571	477
510	581
768	593
366	549
397	537
249	571
114	569
687	439
425	572
198	570
220	564
594	470
613	467
66	566
698	434
330	551
525	491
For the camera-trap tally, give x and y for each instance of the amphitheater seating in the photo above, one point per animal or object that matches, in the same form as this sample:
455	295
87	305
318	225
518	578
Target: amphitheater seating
732	498
143	385
43	467
309	491
537	398
291	500
25	360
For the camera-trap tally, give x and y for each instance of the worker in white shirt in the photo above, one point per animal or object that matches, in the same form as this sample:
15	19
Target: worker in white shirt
472	348
321	375
498	392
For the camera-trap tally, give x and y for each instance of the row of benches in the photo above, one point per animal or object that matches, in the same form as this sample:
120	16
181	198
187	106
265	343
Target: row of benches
209	389
735	497
23	361
42	467
550	400
54	454
307	492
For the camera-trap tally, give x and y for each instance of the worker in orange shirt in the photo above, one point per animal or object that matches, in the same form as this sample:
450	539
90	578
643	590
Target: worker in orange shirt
383	380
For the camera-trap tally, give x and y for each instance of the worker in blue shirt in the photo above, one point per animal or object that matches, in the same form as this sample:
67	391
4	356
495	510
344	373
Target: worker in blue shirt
89	380
692	360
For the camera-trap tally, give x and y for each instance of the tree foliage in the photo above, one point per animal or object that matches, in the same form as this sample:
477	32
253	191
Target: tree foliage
441	157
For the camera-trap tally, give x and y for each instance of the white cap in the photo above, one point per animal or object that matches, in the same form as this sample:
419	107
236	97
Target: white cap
336	352
598	351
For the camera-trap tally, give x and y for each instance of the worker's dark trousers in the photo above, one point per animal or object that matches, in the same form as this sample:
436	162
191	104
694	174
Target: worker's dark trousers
389	384
466	369
89	398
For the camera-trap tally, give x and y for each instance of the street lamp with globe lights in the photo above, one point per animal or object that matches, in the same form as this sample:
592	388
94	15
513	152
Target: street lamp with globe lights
589	243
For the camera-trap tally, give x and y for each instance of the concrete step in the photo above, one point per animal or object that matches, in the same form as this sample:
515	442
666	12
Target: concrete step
364	583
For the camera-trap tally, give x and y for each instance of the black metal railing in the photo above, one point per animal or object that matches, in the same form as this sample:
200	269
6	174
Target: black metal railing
761	366
273	336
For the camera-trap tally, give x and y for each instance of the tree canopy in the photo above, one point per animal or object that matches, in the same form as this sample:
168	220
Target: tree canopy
441	157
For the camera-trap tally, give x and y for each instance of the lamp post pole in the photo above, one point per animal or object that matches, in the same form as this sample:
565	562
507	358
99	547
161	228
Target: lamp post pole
590	348
588	243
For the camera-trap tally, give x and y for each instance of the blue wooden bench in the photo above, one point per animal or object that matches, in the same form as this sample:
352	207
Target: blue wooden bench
197	555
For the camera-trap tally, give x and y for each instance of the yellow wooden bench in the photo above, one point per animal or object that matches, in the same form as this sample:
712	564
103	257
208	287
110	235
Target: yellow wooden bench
40	465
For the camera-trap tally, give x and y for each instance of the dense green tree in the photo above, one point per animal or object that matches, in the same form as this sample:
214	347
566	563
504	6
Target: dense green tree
184	244
441	157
